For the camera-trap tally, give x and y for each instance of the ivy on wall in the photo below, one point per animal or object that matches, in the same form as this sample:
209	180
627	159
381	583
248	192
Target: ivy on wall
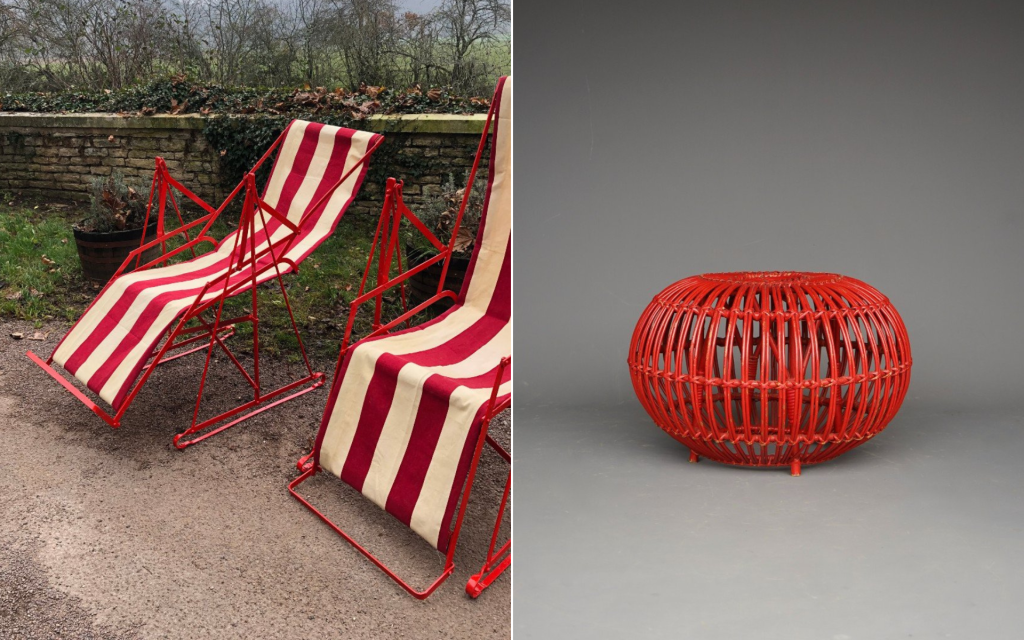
177	95
241	141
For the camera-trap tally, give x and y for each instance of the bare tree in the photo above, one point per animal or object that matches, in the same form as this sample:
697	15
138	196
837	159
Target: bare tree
93	43
418	45
312	23
464	25
188	45
123	39
11	37
365	33
109	44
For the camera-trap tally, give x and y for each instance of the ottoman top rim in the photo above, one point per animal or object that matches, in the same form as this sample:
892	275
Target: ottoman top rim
772	293
773	278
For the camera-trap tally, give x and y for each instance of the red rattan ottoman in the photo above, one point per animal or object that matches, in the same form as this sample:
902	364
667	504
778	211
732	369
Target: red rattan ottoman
770	369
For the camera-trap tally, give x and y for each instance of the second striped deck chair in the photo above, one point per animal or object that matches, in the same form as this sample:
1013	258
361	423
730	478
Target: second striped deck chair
408	414
114	347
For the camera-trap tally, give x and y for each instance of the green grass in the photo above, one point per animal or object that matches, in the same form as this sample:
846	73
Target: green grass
33	289
40	278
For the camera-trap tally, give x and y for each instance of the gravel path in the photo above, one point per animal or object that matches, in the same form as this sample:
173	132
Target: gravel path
115	534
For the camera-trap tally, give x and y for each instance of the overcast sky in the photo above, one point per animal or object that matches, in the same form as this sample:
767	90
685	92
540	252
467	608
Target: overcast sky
418	6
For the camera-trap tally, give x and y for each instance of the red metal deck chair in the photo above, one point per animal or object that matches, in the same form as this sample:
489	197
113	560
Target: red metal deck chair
317	172
408	413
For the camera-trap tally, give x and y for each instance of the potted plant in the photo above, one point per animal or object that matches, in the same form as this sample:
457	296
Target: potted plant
113	228
438	214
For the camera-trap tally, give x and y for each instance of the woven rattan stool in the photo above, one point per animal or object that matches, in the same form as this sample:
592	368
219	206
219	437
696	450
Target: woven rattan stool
770	369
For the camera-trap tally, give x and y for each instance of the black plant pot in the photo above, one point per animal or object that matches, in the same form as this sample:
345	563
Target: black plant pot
423	285
101	253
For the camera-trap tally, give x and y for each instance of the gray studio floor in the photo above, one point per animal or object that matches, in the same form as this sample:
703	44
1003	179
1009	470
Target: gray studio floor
917	534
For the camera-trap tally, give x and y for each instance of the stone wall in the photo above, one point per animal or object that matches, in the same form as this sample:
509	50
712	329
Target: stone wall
57	156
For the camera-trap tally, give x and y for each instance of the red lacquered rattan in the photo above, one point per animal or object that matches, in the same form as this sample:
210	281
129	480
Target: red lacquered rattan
770	368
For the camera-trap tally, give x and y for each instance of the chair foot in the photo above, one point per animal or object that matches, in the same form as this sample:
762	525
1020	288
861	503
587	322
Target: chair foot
473	587
305	463
694	457
794	468
480	581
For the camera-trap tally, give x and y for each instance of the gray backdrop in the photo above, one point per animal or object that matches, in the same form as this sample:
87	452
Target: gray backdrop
655	140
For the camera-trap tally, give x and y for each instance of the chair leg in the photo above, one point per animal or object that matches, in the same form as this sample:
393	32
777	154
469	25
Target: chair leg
227	332
113	420
311	381
314	381
497	562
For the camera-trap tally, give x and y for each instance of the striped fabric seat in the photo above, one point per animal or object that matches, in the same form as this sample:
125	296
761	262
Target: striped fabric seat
406	408
109	345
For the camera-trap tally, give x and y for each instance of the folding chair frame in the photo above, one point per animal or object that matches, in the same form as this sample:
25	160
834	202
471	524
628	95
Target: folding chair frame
244	260
386	249
498	558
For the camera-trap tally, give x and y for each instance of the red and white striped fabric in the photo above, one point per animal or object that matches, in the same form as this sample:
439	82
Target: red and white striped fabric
108	346
406	408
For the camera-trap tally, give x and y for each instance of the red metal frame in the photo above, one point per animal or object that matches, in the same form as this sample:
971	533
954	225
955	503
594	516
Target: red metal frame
497	559
386	249
770	368
244	258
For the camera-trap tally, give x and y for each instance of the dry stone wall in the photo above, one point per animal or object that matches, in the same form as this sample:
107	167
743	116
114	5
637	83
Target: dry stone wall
58	156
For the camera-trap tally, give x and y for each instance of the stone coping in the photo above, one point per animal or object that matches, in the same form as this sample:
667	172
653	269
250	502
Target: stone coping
441	123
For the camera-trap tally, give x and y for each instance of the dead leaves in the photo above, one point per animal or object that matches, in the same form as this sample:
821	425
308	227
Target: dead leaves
361	103
443	223
18	295
369	90
117	208
36	335
320	99
464	240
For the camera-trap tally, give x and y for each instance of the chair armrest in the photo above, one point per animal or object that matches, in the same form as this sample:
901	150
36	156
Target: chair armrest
369	295
202	237
385	247
163	183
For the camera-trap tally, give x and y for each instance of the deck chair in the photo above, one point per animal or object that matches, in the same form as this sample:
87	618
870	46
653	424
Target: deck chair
113	348
409	410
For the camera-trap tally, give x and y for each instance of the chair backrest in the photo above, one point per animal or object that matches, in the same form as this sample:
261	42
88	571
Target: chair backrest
310	161
488	283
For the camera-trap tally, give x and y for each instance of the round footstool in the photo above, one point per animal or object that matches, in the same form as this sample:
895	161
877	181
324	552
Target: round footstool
770	369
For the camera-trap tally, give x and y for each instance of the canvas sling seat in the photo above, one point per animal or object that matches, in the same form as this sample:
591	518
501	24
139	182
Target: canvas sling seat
409	409
316	175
